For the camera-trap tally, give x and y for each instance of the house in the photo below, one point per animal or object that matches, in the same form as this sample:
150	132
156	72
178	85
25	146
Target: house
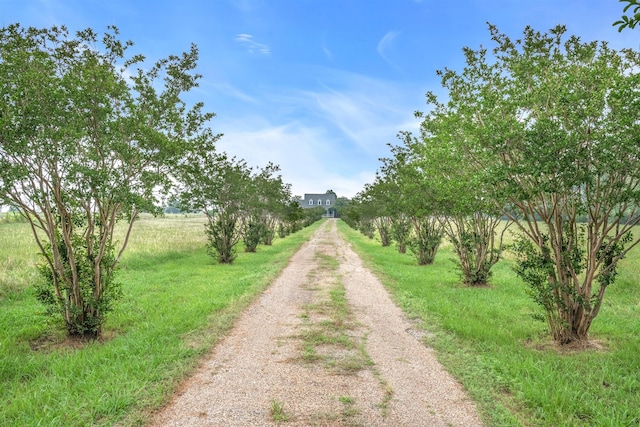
326	200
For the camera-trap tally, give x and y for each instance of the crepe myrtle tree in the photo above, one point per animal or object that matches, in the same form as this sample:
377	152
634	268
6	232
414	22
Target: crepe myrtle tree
218	186
312	215
366	214
551	124
87	139
630	17
392	195
374	209
275	194
414	200
292	217
350	214
386	198
266	202
469	219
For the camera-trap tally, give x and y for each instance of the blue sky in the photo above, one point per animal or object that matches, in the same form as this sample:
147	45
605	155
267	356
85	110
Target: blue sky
319	87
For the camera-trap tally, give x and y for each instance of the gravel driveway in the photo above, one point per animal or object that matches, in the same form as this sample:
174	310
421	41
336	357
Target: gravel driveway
323	346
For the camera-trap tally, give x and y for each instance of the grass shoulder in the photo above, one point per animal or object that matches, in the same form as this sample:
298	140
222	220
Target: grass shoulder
177	303
489	340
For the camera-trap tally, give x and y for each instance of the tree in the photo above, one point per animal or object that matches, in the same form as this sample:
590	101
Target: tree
629	21
392	196
219	186
469	218
551	126
382	198
83	146
341	204
267	206
373	216
410	197
309	216
364	210
293	215
349	214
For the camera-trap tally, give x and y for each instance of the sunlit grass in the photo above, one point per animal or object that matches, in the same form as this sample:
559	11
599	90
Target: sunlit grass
489	340
151	238
18	258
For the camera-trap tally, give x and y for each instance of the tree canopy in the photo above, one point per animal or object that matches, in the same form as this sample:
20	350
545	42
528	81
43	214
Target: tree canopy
86	139
549	125
630	20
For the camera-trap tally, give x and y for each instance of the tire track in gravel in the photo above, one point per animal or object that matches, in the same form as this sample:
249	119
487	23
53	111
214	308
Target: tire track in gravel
324	345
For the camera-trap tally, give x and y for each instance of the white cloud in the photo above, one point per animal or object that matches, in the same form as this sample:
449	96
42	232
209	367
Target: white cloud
251	45
310	158
385	44
227	89
368	112
294	148
329	137
327	53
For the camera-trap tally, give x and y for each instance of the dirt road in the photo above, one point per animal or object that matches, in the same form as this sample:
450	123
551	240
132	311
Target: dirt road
323	346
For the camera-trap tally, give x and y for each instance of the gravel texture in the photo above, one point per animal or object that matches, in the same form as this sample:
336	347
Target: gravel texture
266	372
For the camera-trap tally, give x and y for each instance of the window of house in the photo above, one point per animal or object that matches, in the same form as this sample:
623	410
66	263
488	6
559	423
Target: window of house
328	202
319	202
310	201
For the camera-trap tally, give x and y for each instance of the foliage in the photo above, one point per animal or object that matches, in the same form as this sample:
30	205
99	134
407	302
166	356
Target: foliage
266	207
222	235
86	318
383	226
629	21
253	232
376	208
83	146
469	218
218	186
400	203
392	221
367	228
474	241
293	216
414	197
312	215
456	197
547	125
400	230
238	203
342	204
425	239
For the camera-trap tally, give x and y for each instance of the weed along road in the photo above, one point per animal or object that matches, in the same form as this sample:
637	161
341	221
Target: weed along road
323	346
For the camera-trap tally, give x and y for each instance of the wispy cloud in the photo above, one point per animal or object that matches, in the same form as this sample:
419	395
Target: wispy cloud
306	154
385	44
251	45
327	53
226	89
335	136
368	112
325	49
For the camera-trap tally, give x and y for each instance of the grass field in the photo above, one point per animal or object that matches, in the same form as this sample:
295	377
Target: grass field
176	304
488	339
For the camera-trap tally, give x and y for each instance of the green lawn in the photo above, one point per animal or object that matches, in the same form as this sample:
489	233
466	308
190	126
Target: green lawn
489	340
176	304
